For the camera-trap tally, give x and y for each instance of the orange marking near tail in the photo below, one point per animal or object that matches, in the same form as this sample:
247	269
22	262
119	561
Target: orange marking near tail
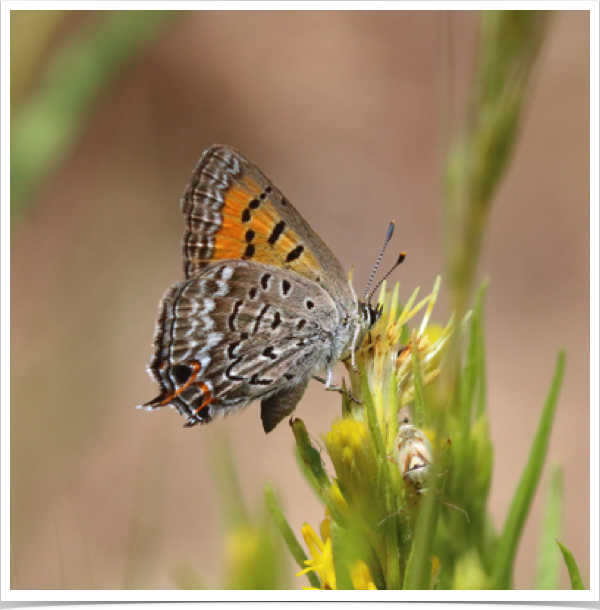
207	400
196	367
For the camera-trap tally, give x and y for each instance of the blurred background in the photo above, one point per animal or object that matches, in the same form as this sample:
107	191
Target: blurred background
349	113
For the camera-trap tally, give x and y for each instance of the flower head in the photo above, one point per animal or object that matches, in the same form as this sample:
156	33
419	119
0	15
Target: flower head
322	557
322	560
361	576
372	501
385	358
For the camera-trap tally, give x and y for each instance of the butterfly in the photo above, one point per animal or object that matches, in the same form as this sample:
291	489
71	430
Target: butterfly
264	305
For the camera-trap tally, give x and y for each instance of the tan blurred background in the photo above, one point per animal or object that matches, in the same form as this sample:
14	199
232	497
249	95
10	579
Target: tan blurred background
345	112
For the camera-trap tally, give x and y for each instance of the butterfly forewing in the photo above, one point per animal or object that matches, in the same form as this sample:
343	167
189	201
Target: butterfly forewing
233	211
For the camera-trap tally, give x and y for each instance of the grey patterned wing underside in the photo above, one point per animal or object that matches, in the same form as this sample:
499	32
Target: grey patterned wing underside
238	332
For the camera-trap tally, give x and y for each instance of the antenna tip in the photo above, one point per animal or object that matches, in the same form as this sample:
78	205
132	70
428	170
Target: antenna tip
390	231
401	257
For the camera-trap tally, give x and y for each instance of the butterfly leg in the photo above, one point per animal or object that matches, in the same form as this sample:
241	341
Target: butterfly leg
354	348
278	406
337	388
329	376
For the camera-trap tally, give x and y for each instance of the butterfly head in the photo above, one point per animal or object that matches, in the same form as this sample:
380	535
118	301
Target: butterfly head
369	314
367	317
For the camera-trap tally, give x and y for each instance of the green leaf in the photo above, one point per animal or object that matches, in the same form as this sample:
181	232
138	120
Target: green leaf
487	543
509	42
309	455
474	368
393	579
46	127
549	562
340	559
371	417
418	384
574	575
418	568
521	503
481	398
288	535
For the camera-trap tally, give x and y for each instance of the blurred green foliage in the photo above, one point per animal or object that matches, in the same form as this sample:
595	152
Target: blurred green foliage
55	93
509	43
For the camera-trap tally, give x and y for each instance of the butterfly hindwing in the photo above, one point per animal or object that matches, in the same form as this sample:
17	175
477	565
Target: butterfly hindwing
237	332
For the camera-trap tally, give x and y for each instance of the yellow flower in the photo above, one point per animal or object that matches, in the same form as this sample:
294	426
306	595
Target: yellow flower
345	440
337	500
322	557
469	573
361	576
322	560
436	568
385	358
350	448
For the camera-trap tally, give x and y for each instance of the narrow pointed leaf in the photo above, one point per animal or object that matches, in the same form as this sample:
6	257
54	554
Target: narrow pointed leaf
574	575
549	562
418	384
340	559
310	456
288	535
418	569
521	503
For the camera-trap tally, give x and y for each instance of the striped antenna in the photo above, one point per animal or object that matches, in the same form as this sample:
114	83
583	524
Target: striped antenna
385	243
385	277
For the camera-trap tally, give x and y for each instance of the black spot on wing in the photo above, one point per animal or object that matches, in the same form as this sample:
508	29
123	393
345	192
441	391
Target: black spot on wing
294	254
234	314
264	281
259	318
228	370
255	380
269	353
277	231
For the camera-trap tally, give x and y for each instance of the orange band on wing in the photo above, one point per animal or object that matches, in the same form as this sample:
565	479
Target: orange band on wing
207	400
196	369
241	195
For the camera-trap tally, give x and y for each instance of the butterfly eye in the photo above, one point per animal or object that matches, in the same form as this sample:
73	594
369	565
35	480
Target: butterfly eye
370	314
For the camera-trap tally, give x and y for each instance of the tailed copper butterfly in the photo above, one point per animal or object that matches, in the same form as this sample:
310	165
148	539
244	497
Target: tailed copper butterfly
263	306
